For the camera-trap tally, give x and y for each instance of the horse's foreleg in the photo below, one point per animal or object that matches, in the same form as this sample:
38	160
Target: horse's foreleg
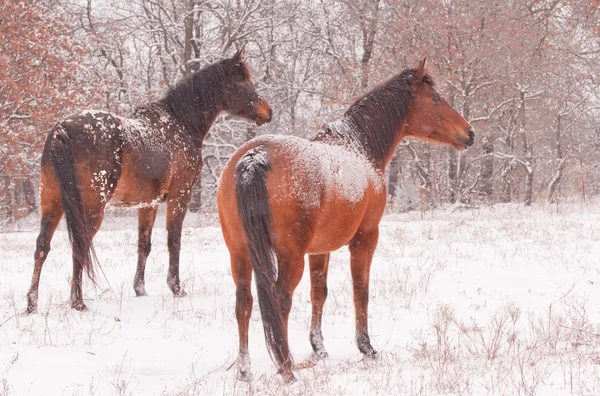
241	270
51	214
146	217
362	247
319	264
176	209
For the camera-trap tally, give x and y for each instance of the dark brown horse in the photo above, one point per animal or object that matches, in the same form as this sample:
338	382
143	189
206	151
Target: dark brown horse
93	158
282	197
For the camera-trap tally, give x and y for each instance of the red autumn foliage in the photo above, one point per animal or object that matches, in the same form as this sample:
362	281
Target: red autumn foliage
42	75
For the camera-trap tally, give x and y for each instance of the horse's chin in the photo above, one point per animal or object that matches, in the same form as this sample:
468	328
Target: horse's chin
261	120
459	146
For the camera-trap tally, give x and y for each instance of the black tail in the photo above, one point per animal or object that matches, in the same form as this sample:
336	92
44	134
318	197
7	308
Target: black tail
253	206
72	200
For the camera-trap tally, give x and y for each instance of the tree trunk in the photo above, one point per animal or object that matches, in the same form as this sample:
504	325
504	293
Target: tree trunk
368	23
29	199
487	170
452	172
189	35
250	133
529	186
556	179
553	186
196	200
505	183
427	188
394	170
5	197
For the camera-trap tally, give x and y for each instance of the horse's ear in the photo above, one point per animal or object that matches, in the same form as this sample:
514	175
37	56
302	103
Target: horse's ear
238	55
419	72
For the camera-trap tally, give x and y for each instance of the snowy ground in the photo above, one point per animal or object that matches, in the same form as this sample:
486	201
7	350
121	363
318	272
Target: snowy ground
497	301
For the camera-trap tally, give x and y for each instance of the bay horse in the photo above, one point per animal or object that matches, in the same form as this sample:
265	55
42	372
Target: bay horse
281	197
94	157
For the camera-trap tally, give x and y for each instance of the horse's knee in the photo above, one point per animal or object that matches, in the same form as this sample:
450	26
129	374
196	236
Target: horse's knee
318	294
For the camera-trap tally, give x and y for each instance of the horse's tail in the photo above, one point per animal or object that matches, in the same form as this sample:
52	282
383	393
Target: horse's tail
63	160
253	207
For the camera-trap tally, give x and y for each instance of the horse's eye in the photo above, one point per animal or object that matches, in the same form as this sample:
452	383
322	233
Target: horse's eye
437	99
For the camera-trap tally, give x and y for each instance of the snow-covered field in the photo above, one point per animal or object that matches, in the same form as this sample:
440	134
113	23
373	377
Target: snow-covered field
496	301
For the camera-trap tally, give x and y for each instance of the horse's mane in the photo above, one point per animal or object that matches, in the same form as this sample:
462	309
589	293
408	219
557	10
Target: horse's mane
376	115
198	98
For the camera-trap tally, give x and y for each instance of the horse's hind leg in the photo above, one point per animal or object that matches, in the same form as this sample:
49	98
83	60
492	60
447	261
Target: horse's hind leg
241	270
289	274
319	265
51	213
362	247
176	209
146	217
94	220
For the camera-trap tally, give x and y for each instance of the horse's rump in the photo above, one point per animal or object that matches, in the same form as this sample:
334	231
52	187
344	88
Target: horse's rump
309	183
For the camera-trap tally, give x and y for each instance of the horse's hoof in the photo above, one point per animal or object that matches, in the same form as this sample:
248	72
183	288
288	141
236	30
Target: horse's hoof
180	293
371	355
289	378
244	376
79	306
30	310
319	355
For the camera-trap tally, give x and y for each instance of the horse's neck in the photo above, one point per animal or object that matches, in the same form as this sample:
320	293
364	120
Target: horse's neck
195	119
157	114
379	150
398	138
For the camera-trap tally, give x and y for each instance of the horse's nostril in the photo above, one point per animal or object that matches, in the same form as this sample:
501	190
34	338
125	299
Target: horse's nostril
270	113
471	134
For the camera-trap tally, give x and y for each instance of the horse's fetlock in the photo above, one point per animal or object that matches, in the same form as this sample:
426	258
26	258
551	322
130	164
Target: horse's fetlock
316	340
361	299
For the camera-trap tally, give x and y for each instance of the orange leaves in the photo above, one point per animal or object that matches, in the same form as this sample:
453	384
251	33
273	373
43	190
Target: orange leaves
41	78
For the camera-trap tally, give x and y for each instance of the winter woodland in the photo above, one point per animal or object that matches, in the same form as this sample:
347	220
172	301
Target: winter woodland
525	73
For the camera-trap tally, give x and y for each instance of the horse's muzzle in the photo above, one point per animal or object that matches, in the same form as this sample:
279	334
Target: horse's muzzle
263	117
468	141
264	113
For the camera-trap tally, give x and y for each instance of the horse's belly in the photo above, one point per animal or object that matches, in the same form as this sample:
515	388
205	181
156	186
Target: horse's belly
335	224
143	180
128	194
324	242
